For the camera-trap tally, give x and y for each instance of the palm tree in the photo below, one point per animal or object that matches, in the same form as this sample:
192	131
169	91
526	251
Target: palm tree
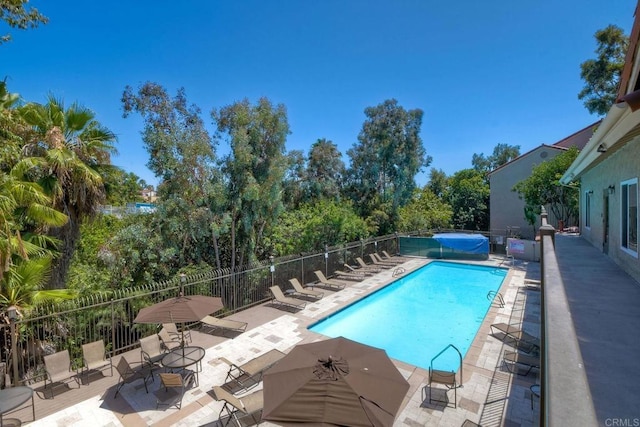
67	147
25	210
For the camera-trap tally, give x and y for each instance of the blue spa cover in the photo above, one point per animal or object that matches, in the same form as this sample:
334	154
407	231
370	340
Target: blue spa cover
470	243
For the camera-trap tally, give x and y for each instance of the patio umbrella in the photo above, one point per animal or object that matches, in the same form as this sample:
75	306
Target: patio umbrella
334	382
179	309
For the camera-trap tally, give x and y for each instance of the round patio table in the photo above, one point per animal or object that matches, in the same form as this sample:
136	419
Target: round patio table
181	357
13	397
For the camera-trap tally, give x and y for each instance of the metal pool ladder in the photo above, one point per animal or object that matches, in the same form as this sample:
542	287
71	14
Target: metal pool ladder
496	297
398	271
446	378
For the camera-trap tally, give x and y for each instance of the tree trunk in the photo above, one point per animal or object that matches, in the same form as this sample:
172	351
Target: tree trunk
216	250
68	235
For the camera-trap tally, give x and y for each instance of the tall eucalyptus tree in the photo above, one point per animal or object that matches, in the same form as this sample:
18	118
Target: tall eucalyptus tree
182	155
254	172
385	161
325	171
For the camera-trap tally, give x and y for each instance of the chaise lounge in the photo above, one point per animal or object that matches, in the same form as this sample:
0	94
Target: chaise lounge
241	378
299	290
350	275
279	298
235	408
214	323
368	267
329	283
375	261
513	358
516	336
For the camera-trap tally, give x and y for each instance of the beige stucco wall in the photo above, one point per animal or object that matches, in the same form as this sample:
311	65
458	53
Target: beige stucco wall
506	208
620	166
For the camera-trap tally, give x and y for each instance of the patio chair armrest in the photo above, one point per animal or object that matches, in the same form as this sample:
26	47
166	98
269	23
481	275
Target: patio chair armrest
225	360
233	368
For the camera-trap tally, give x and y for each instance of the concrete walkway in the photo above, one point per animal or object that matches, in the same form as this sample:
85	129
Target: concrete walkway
605	305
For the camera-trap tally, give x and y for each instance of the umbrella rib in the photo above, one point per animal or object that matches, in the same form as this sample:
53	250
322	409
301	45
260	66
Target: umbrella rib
381	408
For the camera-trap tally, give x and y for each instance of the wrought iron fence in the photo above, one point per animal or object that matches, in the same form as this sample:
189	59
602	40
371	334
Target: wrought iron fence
109	316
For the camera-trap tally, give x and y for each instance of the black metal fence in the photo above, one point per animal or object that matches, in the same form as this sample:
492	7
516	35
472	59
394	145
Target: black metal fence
109	316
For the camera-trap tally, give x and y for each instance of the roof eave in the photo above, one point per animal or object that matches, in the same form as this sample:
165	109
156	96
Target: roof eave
614	126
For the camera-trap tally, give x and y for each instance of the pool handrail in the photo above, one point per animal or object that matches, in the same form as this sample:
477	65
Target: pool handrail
442	351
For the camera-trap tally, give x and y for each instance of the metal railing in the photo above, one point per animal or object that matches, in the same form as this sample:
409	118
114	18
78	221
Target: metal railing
109	316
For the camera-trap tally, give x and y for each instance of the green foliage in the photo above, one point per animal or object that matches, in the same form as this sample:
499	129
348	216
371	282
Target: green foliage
502	154
137	255
190	214
254	172
121	187
325	171
438	182
602	74
468	196
543	188
26	214
294	178
315	225
17	15
425	211
65	149
385	161
24	283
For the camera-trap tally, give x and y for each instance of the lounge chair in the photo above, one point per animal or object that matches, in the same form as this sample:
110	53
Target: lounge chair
385	255
179	382
224	324
298	289
129	375
375	261
175	334
329	283
278	297
363	271
388	260
513	358
364	266
350	275
59	370
168	342
151	350
239	407
95	358
248	375
515	335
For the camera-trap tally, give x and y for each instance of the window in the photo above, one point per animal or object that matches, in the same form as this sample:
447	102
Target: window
587	209
629	216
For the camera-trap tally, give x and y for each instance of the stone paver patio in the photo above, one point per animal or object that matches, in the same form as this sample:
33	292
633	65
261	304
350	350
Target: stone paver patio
490	396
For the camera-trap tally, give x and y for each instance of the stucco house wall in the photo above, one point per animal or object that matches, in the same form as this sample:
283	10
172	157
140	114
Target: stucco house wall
623	165
506	209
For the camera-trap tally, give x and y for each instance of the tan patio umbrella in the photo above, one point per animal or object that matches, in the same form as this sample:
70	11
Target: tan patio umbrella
334	382
180	309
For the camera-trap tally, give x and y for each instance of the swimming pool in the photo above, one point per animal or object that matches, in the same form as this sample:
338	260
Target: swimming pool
417	316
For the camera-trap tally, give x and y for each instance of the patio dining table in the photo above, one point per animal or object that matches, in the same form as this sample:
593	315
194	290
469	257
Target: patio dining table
182	357
12	398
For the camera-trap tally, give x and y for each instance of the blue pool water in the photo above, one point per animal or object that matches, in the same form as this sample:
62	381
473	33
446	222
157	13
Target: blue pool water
417	316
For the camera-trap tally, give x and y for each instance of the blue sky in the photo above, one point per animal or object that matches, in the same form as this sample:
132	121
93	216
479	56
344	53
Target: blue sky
483	72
